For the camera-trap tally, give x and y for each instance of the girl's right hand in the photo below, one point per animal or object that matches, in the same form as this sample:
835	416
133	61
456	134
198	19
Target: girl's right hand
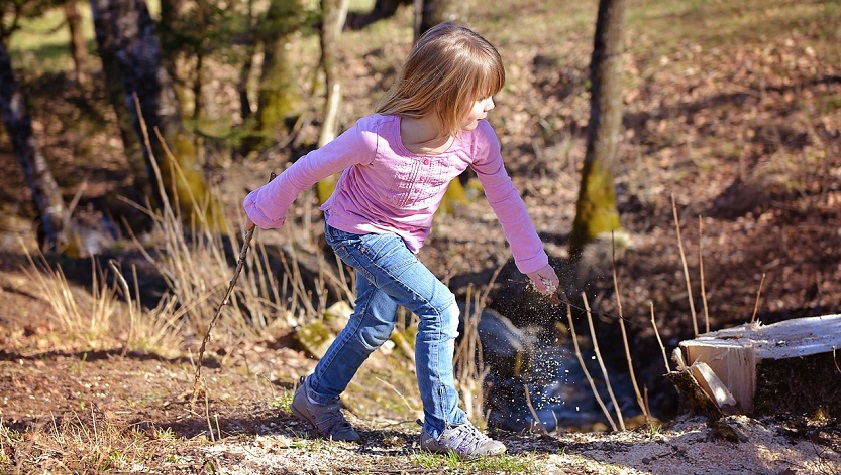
545	280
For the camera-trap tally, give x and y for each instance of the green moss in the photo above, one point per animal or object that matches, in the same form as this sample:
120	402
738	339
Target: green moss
595	212
314	338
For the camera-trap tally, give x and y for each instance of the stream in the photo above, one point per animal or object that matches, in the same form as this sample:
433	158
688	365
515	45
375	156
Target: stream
553	392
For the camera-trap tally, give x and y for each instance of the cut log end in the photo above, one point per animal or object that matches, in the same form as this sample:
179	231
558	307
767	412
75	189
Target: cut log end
787	368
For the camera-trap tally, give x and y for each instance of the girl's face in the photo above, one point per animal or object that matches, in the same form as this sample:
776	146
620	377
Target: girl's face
476	113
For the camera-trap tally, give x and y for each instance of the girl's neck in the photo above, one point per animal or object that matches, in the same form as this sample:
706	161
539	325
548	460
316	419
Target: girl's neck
423	136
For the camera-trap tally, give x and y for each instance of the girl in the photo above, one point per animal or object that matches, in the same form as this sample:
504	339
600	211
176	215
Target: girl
395	166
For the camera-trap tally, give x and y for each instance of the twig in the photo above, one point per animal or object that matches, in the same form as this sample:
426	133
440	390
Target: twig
659	341
756	304
685	268
624	333
533	412
408	405
835	360
601	362
703	286
240	263
586	371
207	416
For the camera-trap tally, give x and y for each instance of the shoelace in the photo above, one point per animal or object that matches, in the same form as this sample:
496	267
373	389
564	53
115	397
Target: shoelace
467	438
332	422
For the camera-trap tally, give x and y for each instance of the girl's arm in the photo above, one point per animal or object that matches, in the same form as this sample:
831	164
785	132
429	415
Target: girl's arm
511	211
266	206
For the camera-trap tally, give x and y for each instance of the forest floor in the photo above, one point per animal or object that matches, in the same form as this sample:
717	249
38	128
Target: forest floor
738	122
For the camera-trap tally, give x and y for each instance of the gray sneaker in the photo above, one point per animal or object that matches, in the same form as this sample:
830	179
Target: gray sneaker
327	419
465	440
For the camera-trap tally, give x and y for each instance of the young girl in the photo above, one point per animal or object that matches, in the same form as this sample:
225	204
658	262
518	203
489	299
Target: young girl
395	166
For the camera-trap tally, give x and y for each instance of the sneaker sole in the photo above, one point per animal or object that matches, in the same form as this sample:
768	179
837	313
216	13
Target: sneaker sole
466	457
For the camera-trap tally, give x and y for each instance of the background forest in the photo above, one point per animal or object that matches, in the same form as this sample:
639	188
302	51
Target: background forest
133	130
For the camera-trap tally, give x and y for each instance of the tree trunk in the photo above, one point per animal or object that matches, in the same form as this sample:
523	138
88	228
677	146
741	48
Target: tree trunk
78	47
382	9
333	16
333	13
102	22
595	211
278	96
139	56
43	187
429	13
787	367
434	12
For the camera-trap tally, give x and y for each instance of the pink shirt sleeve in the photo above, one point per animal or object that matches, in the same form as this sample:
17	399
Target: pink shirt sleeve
267	206
505	200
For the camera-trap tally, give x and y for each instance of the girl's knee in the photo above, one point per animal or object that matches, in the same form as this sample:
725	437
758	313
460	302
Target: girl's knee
375	336
451	316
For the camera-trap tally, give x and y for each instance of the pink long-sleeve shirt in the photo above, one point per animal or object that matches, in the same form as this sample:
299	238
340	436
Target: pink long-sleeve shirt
386	188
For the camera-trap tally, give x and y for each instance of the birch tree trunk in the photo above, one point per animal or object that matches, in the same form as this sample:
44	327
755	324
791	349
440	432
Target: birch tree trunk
45	191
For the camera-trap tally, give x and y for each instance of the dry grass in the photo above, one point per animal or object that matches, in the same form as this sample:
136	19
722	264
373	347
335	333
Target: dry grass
80	315
87	442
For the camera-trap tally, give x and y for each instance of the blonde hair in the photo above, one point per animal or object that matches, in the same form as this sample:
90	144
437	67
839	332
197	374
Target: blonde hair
449	69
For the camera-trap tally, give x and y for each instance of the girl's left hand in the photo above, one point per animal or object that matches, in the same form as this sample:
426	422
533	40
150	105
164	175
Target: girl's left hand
544	280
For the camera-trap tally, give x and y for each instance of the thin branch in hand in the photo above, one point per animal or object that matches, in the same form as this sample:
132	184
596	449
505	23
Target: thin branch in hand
240	263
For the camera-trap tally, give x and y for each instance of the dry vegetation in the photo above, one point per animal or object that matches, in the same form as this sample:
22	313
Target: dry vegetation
732	108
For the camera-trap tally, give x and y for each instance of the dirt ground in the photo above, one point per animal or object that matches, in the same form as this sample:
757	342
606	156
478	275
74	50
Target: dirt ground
753	163
144	399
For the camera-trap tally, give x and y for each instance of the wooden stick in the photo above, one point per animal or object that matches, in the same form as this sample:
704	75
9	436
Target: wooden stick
625	334
685	268
533	412
586	371
703	286
601	362
756	304
240	263
659	341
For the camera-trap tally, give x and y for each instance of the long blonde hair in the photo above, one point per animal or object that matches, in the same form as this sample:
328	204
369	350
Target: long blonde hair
449	68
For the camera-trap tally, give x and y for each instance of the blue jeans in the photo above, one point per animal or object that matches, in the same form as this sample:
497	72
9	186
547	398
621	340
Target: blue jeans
389	275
